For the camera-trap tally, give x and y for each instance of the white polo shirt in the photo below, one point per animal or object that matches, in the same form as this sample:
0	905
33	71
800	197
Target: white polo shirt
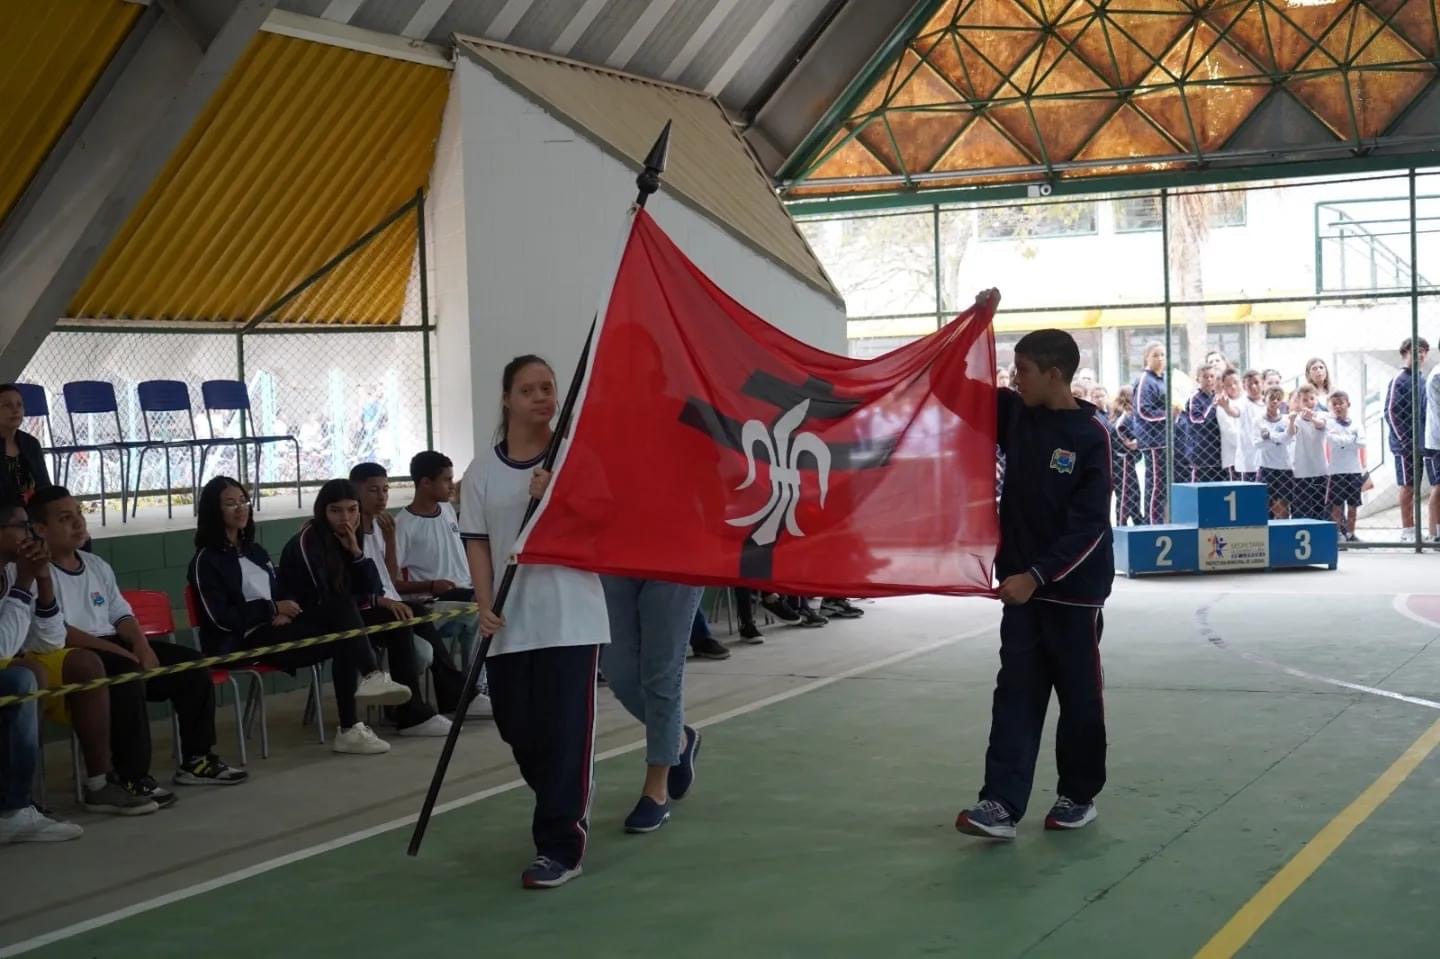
1346	441
1309	457
1275	448
90	598
429	547
374	547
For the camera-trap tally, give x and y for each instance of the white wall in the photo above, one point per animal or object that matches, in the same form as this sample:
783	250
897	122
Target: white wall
449	289
544	210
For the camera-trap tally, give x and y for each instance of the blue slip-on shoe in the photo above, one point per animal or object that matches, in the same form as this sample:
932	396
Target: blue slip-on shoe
647	816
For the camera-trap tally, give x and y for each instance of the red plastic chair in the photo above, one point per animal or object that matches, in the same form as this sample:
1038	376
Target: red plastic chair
256	700
152	611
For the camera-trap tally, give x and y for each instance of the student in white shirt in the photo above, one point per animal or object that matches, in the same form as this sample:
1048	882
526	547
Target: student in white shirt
546	647
1309	488
98	618
1273	439
1227	416
430	556
378	527
1346	439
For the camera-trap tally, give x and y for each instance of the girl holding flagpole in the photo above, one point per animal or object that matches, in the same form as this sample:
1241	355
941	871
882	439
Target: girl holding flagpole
546	648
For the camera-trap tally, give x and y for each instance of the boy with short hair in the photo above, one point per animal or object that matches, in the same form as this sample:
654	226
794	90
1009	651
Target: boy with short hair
1311	472
98	618
1274	439
428	550
1055	567
378	529
32	637
1346	439
1400	417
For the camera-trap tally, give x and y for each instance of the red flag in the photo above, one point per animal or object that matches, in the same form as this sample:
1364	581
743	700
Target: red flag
711	448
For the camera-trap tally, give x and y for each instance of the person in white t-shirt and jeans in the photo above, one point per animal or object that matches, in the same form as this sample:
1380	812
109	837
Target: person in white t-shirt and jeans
430	555
546	647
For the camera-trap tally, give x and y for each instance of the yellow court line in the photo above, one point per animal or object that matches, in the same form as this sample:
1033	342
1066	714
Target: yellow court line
1245	923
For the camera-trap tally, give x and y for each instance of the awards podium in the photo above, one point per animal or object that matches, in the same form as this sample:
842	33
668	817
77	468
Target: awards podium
1220	527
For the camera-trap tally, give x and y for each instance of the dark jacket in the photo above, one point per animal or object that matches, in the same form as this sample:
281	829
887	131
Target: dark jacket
1399	417
224	615
33	461
1151	411
302	572
1055	505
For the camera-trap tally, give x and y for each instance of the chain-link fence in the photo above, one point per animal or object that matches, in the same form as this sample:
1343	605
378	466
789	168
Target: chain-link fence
1226	332
321	396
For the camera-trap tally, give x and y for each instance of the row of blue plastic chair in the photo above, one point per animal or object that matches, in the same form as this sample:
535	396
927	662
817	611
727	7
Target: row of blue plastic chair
97	398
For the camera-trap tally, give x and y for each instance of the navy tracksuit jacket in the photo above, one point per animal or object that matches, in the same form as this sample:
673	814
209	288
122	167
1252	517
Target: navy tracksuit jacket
1055	527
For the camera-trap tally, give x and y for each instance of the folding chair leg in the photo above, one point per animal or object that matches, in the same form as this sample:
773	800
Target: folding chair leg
239	716
39	785
319	702
175	737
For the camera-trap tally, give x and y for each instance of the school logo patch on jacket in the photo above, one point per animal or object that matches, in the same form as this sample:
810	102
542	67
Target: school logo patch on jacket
1063	461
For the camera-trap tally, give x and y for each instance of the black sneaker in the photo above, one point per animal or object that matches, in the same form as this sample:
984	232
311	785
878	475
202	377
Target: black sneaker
750	633
146	787
841	609
209	770
780	609
811	619
117	799
710	648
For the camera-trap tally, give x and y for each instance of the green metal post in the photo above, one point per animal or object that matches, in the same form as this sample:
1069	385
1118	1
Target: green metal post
425	318
1169	344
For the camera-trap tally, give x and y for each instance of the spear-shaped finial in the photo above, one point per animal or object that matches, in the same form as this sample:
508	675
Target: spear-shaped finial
649	179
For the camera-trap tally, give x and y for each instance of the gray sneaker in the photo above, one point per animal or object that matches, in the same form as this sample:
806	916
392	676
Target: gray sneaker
116	800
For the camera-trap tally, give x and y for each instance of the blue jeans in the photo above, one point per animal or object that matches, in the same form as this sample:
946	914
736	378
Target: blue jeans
19	739
645	662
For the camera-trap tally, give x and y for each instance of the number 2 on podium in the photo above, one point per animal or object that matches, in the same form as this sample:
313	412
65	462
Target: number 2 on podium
1165	543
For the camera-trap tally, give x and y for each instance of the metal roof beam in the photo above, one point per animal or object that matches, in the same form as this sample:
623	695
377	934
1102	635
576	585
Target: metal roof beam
68	227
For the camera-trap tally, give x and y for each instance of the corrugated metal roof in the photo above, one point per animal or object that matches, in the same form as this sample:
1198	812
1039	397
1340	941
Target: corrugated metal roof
731	48
711	166
304	149
50	56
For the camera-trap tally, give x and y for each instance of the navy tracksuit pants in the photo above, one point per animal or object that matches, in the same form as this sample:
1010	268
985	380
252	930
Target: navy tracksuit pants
1045	646
544	701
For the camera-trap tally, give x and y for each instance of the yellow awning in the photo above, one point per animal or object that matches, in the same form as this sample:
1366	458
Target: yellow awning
51	54
303	149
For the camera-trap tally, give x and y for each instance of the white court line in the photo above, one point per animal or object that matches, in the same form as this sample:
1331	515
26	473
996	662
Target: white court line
1202	622
1401	607
210	885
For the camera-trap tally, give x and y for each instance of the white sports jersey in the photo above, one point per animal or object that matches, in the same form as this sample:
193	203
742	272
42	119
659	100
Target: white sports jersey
1346	441
1309	455
374	547
1273	440
1229	435
1247	455
89	597
22	626
549	606
429	547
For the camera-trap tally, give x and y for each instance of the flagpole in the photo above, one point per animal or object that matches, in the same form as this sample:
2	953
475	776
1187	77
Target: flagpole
647	183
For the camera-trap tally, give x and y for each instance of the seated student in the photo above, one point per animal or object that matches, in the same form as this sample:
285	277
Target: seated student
98	618
32	637
428	549
243	605
377	527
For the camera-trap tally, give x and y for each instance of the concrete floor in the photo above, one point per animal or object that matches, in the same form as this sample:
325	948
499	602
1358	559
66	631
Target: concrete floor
835	761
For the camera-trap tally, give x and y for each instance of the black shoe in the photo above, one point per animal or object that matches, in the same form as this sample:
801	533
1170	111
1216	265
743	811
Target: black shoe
147	788
750	633
780	609
811	619
841	609
710	648
209	770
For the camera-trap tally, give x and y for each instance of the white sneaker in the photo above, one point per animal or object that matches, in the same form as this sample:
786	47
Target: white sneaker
436	725
1407	535
31	825
480	708
378	689
359	740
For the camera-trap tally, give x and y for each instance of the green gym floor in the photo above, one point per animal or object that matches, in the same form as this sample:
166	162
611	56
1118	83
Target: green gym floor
1256	807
